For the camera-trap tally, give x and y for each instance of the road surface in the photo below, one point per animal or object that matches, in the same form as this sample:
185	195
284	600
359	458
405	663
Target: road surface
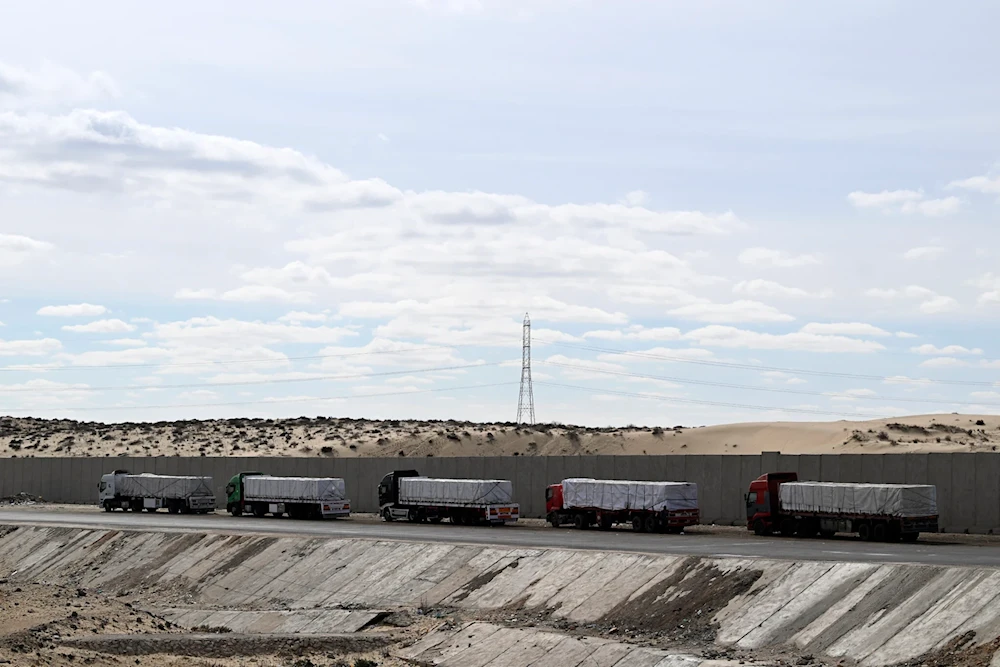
722	543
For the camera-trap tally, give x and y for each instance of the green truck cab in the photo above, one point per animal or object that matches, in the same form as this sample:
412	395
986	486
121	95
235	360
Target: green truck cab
234	492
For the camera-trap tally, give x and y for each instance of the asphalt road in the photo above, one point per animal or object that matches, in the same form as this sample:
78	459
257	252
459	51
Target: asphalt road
724	543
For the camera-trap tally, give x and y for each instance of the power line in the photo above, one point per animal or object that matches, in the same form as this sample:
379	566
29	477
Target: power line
265	401
754	367
25	368
777	390
692	401
243	383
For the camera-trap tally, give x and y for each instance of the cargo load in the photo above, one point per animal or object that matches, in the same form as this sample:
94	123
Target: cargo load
434	491
403	495
147	485
257	494
610	494
266	487
899	500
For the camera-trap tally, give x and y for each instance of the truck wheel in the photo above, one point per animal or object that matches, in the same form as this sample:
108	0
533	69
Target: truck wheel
652	524
387	515
788	527
607	522
259	511
910	537
879	532
107	506
235	510
172	508
580	521
555	520
759	528
865	531
638	525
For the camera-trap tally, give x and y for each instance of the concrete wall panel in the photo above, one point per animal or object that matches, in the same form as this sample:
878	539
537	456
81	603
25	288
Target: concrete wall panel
850	467
810	467
710	500
871	469
893	469
987	468
829	468
939	474
732	490
962	504
916	466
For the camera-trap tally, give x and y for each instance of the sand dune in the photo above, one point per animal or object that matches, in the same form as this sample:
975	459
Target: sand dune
328	436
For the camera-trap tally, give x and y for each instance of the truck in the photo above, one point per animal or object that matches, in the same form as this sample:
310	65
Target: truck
122	490
653	507
299	497
778	503
406	496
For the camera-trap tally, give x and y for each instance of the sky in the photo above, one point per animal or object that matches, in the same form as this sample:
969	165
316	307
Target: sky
712	212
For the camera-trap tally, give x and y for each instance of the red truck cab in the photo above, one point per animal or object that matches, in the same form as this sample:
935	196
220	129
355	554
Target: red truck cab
553	499
763	510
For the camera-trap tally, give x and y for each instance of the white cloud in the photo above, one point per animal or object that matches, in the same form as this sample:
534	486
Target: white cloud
924	252
635	198
101	326
199	395
29	348
636	332
657	355
931	302
850	394
52	84
246	294
989	395
990	283
767	288
772	377
768	258
126	342
15	249
904	201
737	311
944	362
844	329
988	184
906	334
298	317
722	336
72	310
948	350
584	369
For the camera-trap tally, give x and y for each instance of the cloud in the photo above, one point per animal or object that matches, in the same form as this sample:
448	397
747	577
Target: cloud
636	332
924	252
586	369
16	249
732	337
768	258
737	311
52	84
635	198
944	362
72	310
931	302
29	348
987	184
767	288
844	329
298	317
990	283
906	334
904	201
772	377
948	350
101	326
126	342
245	294
850	394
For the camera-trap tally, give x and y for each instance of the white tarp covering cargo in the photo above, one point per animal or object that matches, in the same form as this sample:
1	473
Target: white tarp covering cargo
432	491
902	500
163	486
617	495
292	489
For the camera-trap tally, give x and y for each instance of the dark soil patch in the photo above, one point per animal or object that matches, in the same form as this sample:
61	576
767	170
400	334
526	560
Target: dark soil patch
961	651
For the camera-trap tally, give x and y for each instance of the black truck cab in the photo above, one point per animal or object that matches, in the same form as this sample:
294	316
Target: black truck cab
388	491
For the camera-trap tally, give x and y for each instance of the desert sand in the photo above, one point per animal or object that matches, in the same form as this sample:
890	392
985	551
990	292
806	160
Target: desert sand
331	436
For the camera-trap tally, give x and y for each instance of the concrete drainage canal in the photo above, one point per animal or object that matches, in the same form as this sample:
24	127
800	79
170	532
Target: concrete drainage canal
73	596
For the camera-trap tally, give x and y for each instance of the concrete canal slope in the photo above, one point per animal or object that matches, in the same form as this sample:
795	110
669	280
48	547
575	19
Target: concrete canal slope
875	614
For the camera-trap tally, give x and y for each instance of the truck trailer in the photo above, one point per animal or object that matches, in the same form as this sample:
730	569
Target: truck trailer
121	490
653	507
299	497
778	503
406	496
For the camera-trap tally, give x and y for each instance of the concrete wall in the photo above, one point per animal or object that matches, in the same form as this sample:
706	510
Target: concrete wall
968	485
